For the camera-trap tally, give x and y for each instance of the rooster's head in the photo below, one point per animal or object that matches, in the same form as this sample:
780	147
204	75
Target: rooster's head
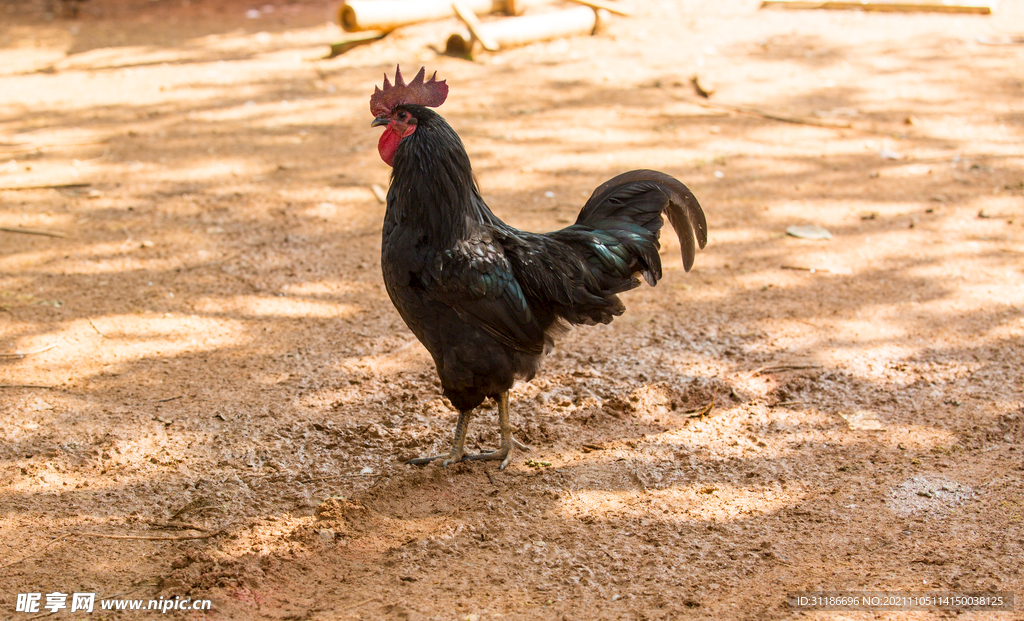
387	103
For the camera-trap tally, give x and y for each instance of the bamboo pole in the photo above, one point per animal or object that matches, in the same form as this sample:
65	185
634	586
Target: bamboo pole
475	27
358	15
933	6
514	31
611	7
360	38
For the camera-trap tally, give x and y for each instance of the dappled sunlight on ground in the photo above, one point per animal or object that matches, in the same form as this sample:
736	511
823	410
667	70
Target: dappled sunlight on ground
201	356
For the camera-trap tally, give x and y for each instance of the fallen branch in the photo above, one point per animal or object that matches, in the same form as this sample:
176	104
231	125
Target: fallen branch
468	17
58	186
37	552
803	269
760	113
881	5
773	117
379	193
606	551
175	398
386	15
28	386
1003	40
22	354
611	7
181	526
514	31
151	537
360	38
783	367
95	328
32	232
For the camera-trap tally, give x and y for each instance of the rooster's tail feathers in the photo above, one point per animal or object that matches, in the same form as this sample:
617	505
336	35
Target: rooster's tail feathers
630	206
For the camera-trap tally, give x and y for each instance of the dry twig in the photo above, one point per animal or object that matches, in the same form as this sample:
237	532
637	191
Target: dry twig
882	5
761	113
52	186
208	535
611	7
179	526
95	328
803	269
37	552
22	354
468	17
32	232
379	193
783	367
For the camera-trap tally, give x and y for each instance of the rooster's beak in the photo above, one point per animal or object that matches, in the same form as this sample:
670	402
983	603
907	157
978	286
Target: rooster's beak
380	120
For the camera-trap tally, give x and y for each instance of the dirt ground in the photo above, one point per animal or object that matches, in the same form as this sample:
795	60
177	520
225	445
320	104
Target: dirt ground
206	393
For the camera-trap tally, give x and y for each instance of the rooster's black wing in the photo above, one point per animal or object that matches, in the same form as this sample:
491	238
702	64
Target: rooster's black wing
475	279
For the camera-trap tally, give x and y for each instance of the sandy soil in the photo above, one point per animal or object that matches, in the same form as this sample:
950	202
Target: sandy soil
205	392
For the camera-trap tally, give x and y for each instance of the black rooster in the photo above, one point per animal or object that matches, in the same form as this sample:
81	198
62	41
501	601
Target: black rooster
487	299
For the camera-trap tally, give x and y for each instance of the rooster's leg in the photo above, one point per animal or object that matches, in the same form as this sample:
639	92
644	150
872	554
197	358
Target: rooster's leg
458	452
504	452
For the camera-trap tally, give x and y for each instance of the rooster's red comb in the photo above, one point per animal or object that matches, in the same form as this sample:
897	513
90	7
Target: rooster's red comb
421	92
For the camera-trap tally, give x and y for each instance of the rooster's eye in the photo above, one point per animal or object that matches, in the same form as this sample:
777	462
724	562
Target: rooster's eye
402	115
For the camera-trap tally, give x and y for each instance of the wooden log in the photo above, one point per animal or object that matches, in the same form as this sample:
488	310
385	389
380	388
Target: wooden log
611	7
514	31
360	38
475	27
386	15
1001	40
933	6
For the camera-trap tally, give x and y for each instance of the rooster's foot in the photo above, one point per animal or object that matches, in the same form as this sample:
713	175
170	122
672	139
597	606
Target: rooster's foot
458	452
449	458
504	453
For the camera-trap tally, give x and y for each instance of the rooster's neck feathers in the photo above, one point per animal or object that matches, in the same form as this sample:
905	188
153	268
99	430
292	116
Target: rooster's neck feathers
432	182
